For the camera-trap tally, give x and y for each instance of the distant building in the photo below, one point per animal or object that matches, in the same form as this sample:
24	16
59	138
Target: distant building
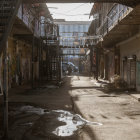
72	42
71	33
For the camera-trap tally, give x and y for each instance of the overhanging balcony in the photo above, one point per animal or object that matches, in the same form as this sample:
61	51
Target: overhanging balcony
119	26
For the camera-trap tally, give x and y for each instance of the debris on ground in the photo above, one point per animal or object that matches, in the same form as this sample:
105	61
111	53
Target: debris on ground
117	84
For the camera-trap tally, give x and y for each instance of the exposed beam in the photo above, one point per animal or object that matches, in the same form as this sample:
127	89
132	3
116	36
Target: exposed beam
125	2
69	47
73	54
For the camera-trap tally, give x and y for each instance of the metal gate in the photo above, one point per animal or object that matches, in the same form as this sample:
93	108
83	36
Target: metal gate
125	70
53	68
53	62
129	72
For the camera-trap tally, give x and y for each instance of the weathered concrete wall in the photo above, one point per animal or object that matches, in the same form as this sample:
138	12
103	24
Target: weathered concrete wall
19	62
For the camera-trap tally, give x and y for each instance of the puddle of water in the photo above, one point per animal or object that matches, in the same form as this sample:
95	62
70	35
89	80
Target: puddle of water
72	122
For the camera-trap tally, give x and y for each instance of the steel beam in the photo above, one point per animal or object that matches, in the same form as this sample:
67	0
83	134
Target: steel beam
125	2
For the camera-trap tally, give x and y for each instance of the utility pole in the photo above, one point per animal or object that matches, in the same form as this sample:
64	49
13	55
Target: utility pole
5	93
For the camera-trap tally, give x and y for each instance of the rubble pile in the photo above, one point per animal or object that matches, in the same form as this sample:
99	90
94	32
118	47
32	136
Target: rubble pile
118	84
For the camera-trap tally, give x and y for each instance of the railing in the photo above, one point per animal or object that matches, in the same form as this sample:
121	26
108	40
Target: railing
28	17
39	26
116	14
6	9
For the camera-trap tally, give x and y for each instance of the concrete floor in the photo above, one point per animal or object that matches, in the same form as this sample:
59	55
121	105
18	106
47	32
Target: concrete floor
118	112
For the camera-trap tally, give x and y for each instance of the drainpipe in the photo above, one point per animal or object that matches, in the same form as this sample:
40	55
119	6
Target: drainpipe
5	94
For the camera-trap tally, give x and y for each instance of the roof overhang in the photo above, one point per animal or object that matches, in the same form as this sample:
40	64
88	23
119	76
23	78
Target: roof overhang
126	28
131	3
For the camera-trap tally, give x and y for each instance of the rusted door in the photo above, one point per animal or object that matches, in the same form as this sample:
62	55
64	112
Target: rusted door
133	74
125	70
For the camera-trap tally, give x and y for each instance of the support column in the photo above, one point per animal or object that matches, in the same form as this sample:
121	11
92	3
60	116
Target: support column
91	61
97	63
5	93
41	64
32	63
39	60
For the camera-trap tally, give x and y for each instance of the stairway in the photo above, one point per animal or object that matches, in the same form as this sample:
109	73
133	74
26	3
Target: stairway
8	12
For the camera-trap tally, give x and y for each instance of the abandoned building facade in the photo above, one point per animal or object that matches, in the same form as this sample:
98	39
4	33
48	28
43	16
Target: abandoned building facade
26	45
33	49
117	48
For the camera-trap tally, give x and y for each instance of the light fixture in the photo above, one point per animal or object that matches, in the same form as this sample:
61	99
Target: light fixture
133	57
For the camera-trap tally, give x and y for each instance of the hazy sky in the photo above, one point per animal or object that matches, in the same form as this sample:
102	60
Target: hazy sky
71	11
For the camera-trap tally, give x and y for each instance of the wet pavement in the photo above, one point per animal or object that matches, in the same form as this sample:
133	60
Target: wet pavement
78	110
117	111
52	123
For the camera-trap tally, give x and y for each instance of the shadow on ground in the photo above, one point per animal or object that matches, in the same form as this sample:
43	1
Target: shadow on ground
23	126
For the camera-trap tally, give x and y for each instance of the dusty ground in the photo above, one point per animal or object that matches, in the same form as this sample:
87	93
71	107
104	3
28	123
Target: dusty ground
118	112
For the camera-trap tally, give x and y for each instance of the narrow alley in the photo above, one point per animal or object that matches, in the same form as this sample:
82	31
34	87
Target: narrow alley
113	116
69	70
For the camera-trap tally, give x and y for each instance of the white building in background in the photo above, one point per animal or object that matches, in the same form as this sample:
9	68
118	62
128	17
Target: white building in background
71	33
72	41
